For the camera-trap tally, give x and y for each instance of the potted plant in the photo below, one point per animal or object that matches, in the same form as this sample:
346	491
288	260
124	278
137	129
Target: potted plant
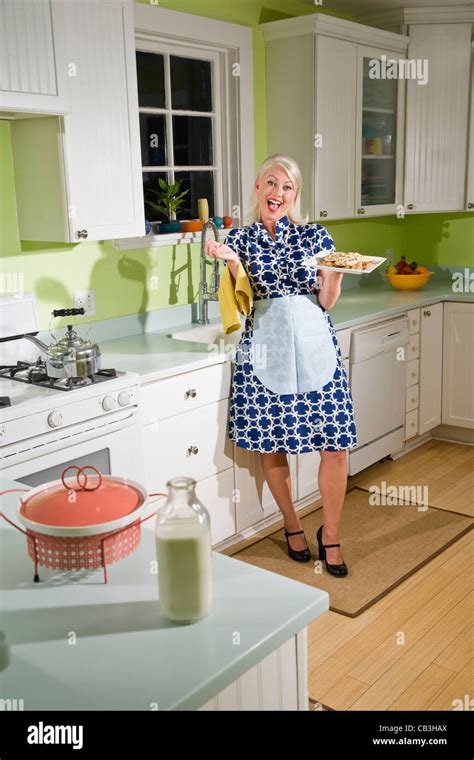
169	199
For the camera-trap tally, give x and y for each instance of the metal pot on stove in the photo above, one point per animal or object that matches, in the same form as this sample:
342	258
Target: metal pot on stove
71	356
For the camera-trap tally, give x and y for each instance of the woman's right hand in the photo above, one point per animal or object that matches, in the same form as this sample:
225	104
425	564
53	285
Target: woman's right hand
220	251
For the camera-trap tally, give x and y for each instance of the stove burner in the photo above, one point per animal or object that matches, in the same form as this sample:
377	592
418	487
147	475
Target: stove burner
35	374
69	383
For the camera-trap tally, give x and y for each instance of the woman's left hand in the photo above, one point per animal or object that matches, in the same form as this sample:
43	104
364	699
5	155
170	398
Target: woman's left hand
329	287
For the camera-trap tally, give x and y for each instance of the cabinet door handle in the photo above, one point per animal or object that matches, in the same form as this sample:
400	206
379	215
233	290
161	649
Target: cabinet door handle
81	234
410	206
470	205
427	313
191	393
192	450
323	213
361	211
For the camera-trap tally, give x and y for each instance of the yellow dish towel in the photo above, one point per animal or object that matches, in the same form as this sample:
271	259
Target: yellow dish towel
234	299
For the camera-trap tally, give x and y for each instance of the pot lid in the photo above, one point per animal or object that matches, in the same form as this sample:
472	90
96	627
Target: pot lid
72	340
80	499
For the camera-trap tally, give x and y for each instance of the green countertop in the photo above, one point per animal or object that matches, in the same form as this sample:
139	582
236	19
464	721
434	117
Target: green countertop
126	655
154	356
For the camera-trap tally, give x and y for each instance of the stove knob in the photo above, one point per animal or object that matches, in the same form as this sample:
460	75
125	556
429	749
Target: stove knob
125	398
55	419
108	403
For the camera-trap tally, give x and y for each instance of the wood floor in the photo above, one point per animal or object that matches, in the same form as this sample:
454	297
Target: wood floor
412	650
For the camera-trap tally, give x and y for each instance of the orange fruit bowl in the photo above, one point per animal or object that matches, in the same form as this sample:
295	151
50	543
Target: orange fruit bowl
408	281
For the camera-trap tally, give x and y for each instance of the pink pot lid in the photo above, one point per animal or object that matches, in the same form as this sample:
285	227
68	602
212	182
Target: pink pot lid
82	500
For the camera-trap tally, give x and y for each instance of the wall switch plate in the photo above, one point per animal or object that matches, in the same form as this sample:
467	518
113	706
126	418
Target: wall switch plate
389	255
86	300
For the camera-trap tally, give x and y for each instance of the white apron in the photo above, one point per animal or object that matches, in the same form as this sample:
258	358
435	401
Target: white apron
292	347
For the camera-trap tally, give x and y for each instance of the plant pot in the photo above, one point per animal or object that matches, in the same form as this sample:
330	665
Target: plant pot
192	225
169	227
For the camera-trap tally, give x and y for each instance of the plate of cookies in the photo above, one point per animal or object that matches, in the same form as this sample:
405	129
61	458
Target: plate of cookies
350	263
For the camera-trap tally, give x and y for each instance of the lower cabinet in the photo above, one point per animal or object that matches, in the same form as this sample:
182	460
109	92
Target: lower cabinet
217	495
254	498
279	682
458	365
431	367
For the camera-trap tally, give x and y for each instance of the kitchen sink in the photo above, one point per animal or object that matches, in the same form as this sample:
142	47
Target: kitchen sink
208	334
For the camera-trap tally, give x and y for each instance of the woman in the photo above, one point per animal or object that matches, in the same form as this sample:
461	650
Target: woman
269	412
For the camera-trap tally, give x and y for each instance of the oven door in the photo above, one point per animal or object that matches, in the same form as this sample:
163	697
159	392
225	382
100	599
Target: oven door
116	452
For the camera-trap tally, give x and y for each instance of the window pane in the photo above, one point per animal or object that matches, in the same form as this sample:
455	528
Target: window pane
153	139
192	140
191	84
151	80
201	185
150	181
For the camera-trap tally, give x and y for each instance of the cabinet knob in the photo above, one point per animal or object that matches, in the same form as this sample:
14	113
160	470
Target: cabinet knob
410	206
361	211
470	205
81	234
191	393
427	313
192	450
323	213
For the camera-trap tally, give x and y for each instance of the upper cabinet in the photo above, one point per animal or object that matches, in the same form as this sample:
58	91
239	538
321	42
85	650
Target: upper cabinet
437	118
343	119
78	177
33	62
470	166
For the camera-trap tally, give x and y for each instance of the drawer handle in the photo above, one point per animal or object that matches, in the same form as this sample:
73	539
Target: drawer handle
411	206
427	313
191	393
413	374
470	205
192	450
323	213
361	211
413	400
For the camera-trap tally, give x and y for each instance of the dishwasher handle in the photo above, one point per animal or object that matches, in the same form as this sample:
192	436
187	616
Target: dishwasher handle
379	339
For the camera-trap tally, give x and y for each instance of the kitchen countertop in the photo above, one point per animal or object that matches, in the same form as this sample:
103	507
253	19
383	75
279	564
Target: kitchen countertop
126	656
154	356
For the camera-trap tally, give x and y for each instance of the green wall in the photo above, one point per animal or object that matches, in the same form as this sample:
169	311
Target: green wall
127	282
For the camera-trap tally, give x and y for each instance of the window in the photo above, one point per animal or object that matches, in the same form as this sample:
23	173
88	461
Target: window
195	97
180	127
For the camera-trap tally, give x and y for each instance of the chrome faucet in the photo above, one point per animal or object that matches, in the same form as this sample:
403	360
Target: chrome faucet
206	295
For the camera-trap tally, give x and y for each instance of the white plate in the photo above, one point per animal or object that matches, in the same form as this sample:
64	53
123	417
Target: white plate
313	261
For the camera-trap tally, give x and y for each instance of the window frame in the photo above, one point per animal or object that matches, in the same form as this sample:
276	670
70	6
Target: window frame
232	43
220	163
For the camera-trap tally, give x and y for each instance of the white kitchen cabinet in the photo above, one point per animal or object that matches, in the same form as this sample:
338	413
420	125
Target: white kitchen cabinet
470	165
458	365
335	95
33	61
79	177
431	367
278	682
193	444
344	127
254	498
437	118
217	495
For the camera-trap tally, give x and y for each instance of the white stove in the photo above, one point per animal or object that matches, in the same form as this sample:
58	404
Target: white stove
44	429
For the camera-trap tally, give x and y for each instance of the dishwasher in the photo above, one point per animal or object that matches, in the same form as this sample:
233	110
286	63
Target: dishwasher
378	382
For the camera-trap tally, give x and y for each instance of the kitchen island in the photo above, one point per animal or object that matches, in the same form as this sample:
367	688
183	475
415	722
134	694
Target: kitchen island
76	643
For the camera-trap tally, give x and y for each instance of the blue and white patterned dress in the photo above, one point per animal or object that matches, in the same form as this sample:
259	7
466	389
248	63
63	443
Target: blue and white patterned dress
259	419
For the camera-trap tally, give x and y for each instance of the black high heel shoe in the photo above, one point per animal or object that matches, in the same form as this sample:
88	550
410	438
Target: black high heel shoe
337	570
304	555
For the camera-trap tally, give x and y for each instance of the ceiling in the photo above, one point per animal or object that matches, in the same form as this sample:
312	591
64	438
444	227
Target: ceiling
355	8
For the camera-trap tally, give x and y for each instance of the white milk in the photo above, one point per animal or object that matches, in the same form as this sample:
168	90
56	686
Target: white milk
183	549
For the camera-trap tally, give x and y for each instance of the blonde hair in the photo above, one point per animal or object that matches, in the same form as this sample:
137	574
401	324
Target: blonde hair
290	166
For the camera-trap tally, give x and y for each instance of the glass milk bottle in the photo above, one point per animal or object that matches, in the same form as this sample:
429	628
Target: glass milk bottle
183	548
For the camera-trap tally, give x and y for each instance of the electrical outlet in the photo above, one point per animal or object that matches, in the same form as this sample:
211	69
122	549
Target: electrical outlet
86	300
389	255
